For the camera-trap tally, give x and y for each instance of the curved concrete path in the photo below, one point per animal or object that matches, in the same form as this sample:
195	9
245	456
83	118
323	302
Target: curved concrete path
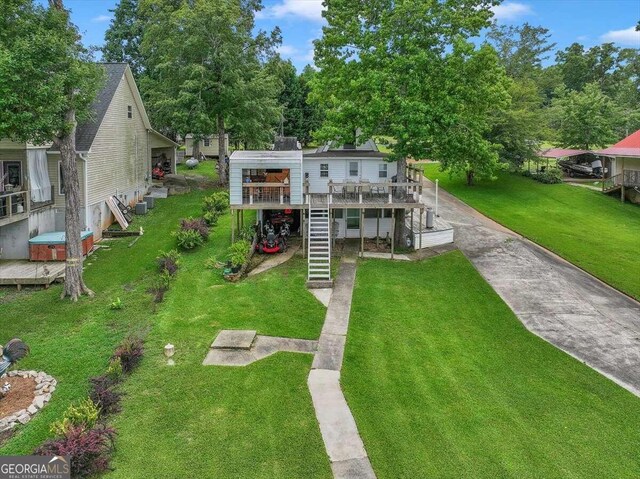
554	299
342	441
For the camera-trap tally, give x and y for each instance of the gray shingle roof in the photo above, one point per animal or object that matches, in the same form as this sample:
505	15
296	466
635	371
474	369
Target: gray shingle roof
88	130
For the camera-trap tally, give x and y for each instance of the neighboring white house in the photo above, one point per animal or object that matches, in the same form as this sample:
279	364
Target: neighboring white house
334	192
116	150
208	145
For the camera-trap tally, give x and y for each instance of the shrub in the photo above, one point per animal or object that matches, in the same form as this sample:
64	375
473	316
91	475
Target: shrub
160	285
549	176
195	224
129	353
211	263
104	396
169	262
247	233
114	370
218	202
211	217
188	239
117	304
239	253
83	415
89	450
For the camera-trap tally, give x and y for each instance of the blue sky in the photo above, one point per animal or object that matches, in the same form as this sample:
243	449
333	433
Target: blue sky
589	22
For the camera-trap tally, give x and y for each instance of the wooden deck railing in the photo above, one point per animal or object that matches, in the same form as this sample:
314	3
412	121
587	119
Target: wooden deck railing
275	193
628	179
14	204
371	193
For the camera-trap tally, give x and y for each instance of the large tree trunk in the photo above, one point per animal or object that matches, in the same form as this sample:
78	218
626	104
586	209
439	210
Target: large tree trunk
470	176
74	285
196	148
222	151
400	212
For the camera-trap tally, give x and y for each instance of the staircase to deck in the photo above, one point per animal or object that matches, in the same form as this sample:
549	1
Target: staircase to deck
319	247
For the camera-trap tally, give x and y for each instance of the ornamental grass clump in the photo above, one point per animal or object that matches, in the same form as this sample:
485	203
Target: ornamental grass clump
129	353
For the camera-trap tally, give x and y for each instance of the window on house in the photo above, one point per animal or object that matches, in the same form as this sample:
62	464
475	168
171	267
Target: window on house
207	142
129	111
353	168
338	214
387	213
371	214
382	170
324	170
60	179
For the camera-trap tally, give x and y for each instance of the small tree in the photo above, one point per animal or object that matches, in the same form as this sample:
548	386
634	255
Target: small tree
47	83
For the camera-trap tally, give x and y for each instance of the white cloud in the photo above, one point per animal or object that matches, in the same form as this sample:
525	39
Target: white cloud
628	36
307	9
287	50
511	11
101	18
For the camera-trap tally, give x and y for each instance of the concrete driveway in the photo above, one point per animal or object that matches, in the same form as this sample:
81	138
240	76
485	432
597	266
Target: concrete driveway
555	300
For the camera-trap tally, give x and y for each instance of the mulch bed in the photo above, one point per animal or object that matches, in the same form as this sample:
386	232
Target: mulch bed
23	390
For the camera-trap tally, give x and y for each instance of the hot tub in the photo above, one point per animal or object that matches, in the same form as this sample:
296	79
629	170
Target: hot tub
51	246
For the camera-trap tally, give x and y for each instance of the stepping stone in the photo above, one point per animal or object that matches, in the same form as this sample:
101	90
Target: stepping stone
234	339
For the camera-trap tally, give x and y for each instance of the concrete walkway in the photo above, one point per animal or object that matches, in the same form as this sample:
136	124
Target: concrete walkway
274	260
555	300
342	441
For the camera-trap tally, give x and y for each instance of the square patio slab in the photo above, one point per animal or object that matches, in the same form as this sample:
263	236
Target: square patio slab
234	339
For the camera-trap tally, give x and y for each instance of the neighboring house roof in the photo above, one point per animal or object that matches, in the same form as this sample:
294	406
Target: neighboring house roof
189	136
561	153
368	149
88	130
252	155
629	146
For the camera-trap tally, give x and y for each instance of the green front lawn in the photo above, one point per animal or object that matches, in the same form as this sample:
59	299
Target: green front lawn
444	381
256	421
594	231
206	169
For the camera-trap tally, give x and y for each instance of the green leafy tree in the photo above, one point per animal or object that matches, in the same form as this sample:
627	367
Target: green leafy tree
300	117
521	49
519	130
205	71
584	119
405	70
123	37
47	84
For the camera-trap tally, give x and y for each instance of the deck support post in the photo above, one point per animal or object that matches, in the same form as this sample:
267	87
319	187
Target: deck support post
361	233
412	226
393	230
420	230
233	233
304	233
377	227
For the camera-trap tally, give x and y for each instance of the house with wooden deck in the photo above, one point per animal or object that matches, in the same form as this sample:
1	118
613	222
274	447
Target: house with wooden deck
335	192
116	150
624	159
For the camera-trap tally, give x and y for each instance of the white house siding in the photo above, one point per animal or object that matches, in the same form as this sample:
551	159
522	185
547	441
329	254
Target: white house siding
235	176
119	162
627	162
339	171
369	228
211	150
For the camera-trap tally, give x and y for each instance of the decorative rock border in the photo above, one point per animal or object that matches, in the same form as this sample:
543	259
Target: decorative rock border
45	386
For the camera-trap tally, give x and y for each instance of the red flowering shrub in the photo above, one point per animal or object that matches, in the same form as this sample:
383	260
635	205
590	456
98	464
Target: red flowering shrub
89	450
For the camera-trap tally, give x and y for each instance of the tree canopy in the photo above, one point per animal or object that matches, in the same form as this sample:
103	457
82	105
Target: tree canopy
405	69
204	69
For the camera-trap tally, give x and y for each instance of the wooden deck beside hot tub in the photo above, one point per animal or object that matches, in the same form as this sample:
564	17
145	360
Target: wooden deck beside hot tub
26	273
